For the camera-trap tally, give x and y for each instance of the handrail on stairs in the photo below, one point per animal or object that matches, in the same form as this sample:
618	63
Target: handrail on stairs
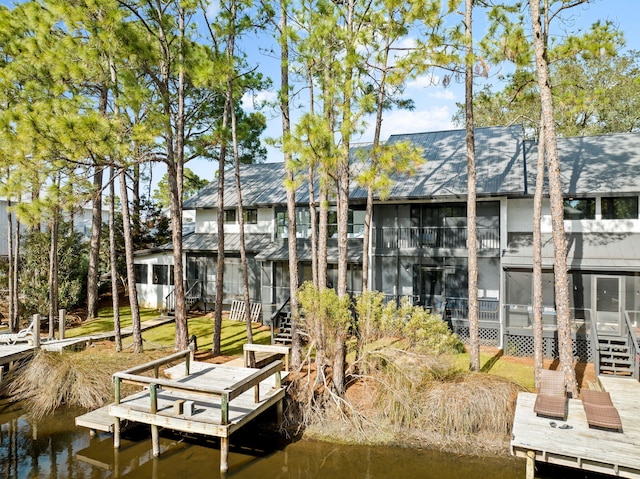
633	347
170	299
274	317
595	343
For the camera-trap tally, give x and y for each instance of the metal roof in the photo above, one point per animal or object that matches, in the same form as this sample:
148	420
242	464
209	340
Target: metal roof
605	164
443	174
280	252
195	242
499	164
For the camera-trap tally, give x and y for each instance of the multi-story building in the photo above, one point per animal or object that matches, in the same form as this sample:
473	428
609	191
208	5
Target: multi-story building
419	238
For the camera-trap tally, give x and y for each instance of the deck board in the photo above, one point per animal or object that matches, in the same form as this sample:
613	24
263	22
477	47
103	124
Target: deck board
583	447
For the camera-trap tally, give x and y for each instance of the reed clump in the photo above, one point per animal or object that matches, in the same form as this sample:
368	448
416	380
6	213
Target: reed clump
52	379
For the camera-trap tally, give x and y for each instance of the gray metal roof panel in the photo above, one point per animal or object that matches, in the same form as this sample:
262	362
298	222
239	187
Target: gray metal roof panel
499	163
605	164
499	171
209	242
280	251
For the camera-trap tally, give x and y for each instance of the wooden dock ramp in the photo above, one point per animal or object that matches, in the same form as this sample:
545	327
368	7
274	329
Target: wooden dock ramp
573	443
202	398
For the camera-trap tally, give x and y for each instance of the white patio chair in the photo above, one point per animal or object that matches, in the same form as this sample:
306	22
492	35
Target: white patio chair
25	334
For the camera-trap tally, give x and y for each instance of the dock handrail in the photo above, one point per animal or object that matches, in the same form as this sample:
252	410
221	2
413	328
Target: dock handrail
131	376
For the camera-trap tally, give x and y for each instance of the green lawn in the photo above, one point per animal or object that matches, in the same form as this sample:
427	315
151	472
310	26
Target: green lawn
234	333
500	366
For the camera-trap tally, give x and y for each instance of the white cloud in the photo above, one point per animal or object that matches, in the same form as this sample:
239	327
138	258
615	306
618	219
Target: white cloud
424	81
252	101
432	119
441	93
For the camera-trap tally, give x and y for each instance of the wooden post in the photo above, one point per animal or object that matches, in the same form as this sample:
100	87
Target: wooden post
224	409
62	316
116	381
153	395
155	436
116	424
155	440
279	412
116	433
224	454
531	465
36	330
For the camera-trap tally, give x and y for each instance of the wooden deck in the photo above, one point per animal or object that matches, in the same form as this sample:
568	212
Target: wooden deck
202	398
581	447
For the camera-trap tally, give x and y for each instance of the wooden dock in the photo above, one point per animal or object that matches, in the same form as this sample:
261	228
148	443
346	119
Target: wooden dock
579	446
202	398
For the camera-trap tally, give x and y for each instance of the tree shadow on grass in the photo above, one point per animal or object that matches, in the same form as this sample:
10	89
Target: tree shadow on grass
486	367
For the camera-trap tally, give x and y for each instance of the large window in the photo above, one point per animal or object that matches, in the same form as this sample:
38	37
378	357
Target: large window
620	208
141	273
162	274
303	223
580	209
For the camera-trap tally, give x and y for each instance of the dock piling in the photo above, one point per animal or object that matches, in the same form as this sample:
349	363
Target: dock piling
531	465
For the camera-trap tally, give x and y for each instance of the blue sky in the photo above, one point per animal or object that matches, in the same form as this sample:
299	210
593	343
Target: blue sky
434	104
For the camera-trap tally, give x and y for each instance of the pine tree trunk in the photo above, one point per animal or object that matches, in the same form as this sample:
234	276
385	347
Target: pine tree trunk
472	237
131	275
538	341
292	243
563	313
176	195
13	306
94	244
53	265
113	259
96	225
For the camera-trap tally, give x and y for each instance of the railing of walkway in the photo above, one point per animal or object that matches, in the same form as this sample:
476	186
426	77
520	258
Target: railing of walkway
434	237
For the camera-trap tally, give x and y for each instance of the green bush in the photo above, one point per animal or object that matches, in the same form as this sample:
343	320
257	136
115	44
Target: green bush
72	270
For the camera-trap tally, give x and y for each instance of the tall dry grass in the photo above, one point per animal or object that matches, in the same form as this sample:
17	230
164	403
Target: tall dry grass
83	379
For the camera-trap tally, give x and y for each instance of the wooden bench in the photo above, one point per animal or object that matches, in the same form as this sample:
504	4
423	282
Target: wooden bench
273	349
236	313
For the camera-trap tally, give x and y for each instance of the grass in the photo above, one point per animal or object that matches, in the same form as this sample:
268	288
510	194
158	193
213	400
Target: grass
496	364
104	322
233	336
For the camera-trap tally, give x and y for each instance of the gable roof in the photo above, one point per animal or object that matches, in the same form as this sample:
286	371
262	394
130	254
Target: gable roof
604	164
499	159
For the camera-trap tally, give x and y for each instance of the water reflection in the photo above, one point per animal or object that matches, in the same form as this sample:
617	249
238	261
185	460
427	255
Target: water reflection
56	448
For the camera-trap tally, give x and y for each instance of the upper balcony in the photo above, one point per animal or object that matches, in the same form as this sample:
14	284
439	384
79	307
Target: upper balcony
434	237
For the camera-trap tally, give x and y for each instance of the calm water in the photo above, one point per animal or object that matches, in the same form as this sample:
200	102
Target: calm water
55	448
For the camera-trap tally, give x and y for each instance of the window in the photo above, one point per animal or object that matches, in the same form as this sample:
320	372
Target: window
620	208
251	216
229	216
160	274
141	273
580	209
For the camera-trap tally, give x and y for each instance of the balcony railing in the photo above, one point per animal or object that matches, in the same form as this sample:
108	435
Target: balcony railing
434	237
521	316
